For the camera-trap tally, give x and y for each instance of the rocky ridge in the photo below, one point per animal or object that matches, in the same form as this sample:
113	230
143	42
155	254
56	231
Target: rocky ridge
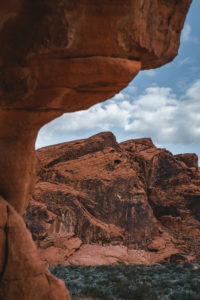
97	201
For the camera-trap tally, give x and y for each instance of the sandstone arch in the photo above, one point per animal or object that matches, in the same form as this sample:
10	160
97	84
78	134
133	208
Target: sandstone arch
62	56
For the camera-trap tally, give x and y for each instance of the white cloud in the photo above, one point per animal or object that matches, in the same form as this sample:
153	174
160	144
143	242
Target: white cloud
185	60
119	96
149	73
186	33
157	113
171	120
194	92
131	89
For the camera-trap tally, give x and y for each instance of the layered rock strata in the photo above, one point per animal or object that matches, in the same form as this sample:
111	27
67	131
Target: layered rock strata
109	202
62	56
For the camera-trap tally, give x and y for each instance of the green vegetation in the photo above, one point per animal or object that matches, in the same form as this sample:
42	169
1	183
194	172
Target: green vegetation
158	282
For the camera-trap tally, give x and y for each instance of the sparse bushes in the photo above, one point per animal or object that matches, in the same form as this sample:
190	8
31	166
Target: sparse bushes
158	282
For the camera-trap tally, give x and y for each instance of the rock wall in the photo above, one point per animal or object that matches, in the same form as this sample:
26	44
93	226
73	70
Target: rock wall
62	56
107	199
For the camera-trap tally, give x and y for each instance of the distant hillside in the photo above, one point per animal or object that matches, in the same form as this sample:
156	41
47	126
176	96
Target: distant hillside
97	201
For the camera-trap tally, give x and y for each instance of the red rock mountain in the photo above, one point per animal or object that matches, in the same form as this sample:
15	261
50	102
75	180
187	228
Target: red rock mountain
98	201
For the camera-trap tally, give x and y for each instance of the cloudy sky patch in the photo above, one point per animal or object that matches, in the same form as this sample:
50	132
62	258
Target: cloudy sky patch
186	33
157	113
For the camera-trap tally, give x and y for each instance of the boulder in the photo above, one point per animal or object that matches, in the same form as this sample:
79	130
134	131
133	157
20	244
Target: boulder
27	276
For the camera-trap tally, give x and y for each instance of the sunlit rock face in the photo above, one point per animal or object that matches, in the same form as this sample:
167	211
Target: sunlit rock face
62	56
97	201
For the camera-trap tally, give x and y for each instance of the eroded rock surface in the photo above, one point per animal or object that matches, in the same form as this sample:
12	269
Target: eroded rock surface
62	56
68	55
115	197
22	274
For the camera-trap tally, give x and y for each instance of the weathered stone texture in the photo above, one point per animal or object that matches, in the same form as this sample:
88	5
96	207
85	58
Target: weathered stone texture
62	56
123	196
22	274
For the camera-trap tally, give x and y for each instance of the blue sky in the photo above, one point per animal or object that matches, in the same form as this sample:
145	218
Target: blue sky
163	103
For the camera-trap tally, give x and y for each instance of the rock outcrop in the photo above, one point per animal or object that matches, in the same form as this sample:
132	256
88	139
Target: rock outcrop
62	56
27	278
129	202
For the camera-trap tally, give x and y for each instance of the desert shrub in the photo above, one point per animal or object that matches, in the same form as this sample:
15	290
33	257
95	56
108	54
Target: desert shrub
159	282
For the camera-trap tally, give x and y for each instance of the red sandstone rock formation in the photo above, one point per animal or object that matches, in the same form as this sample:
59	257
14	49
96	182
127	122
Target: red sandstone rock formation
64	56
131	202
28	278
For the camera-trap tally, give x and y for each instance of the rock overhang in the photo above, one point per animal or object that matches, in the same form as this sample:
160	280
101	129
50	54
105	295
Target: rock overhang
68	56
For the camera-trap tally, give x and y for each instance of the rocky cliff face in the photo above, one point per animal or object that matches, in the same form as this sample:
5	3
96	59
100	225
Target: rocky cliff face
122	197
62	56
